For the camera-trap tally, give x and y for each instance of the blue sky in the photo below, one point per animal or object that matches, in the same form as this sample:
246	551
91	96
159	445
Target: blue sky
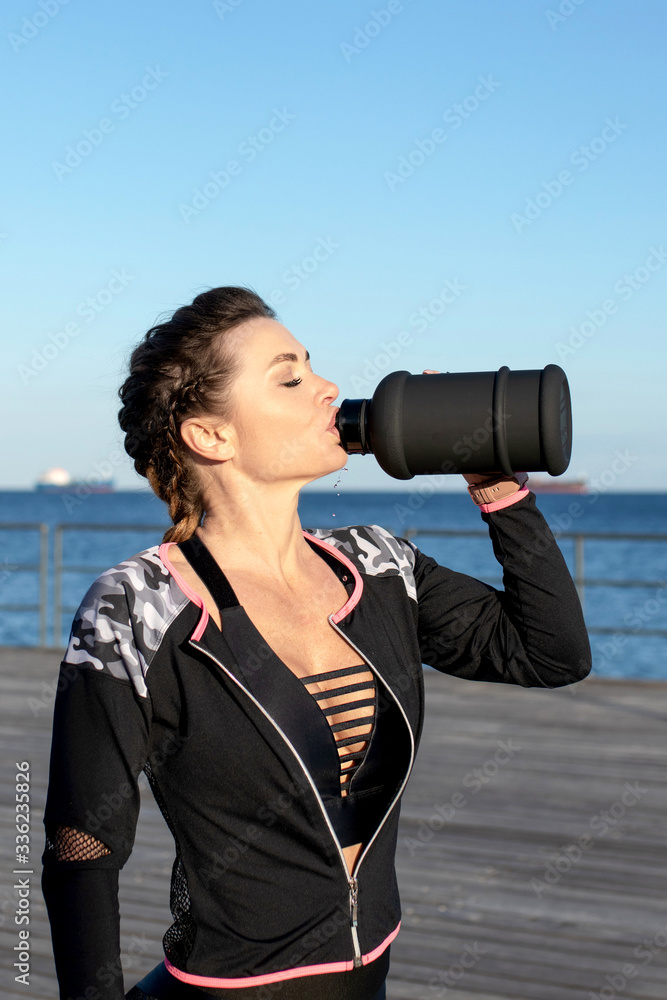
352	162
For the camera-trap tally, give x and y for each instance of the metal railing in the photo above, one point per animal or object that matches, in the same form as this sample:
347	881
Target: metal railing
581	583
60	568
41	567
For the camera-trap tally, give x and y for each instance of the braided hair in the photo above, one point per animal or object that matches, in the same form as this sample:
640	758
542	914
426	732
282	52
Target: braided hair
181	369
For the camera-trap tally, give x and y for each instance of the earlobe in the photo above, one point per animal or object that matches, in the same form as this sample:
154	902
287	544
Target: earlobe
211	441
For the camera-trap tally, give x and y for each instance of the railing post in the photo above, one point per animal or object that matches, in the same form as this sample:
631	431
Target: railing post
43	581
579	566
43	567
57	582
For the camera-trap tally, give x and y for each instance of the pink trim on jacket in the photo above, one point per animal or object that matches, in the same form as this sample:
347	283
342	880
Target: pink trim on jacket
499	504
274	977
186	588
354	597
197	598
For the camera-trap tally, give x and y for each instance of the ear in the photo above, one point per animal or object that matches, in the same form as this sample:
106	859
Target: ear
205	437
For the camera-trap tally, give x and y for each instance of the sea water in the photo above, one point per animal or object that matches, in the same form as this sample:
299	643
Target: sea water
141	519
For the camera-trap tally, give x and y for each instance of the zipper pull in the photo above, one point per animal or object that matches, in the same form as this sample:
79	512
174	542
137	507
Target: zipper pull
354	889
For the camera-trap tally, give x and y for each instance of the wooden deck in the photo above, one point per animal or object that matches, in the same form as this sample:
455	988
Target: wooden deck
499	903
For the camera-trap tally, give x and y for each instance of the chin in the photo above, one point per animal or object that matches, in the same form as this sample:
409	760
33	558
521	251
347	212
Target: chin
331	466
341	459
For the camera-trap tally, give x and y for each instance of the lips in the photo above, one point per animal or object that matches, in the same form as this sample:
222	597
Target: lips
332	424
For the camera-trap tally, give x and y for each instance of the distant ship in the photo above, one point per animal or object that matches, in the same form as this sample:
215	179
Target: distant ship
58	480
539	484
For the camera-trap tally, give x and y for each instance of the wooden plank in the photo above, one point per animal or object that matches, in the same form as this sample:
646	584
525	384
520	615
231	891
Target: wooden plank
469	879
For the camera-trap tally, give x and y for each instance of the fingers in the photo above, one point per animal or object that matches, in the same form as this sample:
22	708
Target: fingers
476	477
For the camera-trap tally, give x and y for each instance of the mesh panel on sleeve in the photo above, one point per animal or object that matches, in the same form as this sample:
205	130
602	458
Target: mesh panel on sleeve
71	844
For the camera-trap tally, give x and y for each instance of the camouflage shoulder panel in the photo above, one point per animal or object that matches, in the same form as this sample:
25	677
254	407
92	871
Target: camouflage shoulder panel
375	550
124	616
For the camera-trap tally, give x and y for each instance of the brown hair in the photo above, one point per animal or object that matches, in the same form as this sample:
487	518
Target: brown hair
181	369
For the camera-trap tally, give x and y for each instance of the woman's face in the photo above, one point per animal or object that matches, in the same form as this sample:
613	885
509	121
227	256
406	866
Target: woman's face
282	410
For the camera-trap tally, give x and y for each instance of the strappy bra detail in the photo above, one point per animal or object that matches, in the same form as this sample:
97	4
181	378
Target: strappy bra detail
354	789
351	748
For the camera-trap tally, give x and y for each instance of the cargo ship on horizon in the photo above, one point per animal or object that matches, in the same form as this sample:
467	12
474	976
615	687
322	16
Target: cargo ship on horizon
58	480
542	484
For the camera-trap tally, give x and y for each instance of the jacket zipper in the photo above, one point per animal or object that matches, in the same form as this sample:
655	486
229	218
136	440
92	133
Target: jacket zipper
351	880
353	885
354	889
412	747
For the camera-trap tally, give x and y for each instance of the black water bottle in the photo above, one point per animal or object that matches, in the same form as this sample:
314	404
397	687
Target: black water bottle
497	422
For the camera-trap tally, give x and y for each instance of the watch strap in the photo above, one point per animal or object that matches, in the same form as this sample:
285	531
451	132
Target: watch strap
500	488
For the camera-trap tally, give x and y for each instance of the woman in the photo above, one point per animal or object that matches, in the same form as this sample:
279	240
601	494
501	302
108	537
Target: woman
267	679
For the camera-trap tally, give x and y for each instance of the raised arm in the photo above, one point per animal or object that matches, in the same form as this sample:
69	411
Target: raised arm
532	633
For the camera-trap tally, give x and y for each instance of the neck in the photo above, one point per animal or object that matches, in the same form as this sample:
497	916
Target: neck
256	529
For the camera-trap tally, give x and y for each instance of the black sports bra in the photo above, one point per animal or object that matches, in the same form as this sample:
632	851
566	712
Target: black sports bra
354	797
359	698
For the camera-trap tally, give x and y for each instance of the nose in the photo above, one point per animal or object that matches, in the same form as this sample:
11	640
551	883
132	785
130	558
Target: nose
330	390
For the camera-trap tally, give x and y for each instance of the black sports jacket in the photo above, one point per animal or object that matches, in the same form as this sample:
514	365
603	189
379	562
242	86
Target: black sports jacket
230	740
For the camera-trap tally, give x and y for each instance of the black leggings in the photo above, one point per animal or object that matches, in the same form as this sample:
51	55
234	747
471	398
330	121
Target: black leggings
161	985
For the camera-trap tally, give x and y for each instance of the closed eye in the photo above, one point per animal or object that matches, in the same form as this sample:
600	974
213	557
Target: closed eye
295	381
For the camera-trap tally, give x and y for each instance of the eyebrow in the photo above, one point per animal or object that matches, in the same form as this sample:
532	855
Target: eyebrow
279	358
